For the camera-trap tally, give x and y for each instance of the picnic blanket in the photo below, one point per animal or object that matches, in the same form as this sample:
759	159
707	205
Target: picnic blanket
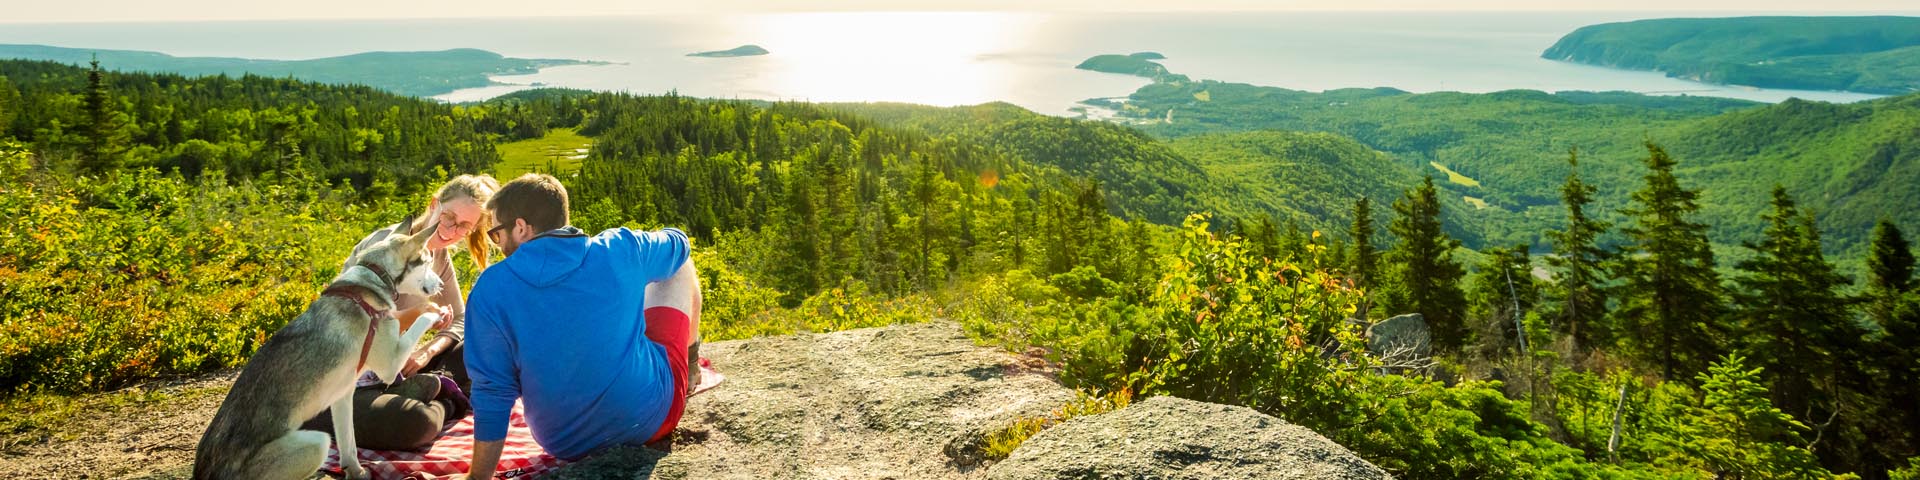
452	453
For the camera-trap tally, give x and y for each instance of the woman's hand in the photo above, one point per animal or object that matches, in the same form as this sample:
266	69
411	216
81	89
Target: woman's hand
417	361
446	317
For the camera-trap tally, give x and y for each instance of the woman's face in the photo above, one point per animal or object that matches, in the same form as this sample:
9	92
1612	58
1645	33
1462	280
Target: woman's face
456	221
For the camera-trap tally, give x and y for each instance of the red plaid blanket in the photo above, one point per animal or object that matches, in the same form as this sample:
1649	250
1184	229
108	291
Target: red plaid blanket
452	453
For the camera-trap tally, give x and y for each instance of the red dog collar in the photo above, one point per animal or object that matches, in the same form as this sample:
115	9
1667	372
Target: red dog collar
374	315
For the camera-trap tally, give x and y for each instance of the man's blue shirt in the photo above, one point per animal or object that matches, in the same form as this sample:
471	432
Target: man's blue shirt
559	324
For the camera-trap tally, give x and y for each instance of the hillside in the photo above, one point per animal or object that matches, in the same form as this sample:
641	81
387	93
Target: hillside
1310	178
420	74
1513	145
1861	54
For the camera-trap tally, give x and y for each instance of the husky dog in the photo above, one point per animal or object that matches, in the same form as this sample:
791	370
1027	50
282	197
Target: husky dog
312	364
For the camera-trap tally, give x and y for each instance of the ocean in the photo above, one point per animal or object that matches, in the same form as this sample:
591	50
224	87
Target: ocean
957	58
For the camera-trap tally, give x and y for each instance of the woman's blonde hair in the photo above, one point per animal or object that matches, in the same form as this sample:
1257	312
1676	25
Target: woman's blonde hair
480	189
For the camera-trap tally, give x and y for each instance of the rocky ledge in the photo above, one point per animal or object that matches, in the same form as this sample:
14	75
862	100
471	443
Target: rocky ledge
912	401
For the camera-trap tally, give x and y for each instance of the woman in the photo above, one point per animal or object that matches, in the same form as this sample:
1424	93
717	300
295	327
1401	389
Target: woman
409	414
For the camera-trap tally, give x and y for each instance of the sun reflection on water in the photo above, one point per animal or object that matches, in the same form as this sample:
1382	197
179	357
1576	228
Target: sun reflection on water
932	58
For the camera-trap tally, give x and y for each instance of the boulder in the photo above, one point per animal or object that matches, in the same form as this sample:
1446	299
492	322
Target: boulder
1401	340
1173	438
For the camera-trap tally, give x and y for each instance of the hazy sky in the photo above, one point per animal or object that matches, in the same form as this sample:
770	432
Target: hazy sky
150	10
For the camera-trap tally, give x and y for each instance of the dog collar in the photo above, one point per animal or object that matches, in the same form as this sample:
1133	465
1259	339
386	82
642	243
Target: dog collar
381	274
374	315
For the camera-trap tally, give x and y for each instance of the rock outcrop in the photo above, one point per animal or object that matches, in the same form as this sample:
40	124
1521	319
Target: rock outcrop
1174	438
869	403
914	401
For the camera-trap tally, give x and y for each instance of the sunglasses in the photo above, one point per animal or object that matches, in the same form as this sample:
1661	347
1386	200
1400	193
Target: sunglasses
494	233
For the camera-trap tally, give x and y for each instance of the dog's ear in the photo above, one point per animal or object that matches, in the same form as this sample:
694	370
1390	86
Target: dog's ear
414	243
406	224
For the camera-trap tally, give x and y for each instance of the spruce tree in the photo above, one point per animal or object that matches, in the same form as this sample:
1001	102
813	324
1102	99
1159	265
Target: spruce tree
1671	300
1425	278
1889	271
1794	319
1582	264
1363	259
101	155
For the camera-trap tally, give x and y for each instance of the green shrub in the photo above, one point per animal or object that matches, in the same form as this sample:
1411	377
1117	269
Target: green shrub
106	281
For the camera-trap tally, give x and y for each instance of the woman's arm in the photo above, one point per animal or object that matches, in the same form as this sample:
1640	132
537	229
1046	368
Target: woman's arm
456	328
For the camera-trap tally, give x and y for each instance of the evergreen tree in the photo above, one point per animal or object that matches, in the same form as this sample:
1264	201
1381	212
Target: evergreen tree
1889	270
1263	237
1739	434
1895	349
1425	278
1795	321
1363	259
1580	281
1671	299
101	154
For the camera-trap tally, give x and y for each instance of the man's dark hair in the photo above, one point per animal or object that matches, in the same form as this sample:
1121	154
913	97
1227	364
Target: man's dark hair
537	198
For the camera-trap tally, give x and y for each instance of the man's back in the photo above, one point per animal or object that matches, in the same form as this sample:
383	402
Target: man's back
559	323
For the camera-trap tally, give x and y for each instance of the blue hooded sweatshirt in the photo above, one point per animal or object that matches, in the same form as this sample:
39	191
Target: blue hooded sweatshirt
559	324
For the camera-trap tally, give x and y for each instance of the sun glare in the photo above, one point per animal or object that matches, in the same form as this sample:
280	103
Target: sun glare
930	58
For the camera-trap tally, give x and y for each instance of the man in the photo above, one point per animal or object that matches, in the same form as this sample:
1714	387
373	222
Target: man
562	324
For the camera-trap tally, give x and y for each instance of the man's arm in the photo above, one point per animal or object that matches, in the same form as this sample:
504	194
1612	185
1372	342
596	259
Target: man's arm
658	254
486	456
496	379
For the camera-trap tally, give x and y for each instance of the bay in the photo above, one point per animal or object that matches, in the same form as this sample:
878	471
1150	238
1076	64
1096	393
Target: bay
953	58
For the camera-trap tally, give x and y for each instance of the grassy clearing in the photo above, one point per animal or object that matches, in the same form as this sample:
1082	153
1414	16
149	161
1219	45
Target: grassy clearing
542	154
1456	177
1477	203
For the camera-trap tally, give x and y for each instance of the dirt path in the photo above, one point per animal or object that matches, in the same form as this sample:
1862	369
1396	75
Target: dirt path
148	431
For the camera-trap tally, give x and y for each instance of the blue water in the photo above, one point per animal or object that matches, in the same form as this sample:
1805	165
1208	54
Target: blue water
952	58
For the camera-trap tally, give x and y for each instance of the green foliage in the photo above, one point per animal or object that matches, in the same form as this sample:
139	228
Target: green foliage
1864	54
1309	178
1219	306
1138	64
1423	277
1671	302
1889	270
418	74
1851	163
1738	433
1909	472
1581	262
105	282
1796	320
1502	291
1364	262
1001	443
244	129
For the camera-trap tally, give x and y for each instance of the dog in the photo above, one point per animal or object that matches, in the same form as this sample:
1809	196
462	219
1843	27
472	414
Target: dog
313	362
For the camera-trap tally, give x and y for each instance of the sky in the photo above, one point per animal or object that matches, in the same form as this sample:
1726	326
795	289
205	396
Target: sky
39	11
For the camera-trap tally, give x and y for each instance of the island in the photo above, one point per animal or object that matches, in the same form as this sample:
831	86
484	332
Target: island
1873	54
740	51
420	74
1139	64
